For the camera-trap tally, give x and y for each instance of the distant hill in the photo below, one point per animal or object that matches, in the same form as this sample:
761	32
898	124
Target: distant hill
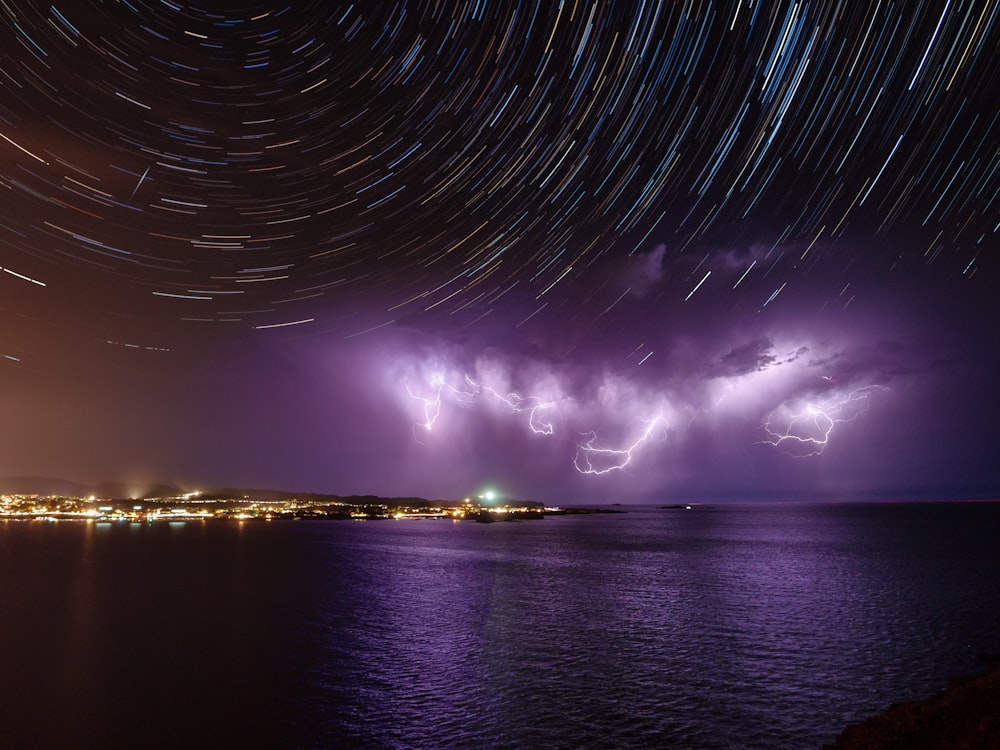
236	493
121	491
63	487
42	486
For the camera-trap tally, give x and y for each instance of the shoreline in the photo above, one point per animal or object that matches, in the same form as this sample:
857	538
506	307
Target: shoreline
963	716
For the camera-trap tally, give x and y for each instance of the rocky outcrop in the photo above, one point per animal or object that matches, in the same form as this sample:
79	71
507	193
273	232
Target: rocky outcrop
965	716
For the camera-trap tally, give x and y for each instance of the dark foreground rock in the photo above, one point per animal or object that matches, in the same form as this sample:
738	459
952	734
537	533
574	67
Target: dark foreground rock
965	716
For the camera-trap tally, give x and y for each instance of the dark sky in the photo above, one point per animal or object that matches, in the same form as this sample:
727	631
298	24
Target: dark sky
573	251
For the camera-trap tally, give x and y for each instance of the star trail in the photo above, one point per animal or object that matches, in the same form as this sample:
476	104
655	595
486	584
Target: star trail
272	238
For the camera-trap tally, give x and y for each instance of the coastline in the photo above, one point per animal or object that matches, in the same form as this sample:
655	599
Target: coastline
963	716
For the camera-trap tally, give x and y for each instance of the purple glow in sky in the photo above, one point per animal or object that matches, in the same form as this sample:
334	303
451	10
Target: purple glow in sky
589	253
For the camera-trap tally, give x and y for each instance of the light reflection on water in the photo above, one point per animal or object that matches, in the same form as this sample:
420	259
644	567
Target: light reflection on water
722	627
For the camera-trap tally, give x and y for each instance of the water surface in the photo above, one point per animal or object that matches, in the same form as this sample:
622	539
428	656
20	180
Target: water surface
721	627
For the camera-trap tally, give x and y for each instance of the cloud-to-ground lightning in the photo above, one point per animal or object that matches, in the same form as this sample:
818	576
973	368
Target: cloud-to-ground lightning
592	459
432	404
806	430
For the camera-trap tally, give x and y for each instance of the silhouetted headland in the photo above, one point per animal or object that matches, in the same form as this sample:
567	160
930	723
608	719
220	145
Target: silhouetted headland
964	716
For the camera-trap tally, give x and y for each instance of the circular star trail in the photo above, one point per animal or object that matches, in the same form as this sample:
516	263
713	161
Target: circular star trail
258	165
574	248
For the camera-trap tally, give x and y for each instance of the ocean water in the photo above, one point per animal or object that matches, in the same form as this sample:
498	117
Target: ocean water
722	627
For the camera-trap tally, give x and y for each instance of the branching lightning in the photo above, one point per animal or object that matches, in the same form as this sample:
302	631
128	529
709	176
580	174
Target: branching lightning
432	404
591	459
807	432
536	408
799	427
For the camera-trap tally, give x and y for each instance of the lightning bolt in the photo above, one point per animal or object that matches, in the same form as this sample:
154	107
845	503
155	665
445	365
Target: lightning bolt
535	407
591	459
807	432
432	404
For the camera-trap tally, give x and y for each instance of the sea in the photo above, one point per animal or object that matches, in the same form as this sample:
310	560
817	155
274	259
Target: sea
727	626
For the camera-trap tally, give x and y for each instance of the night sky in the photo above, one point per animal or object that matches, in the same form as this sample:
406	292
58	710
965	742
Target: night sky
577	251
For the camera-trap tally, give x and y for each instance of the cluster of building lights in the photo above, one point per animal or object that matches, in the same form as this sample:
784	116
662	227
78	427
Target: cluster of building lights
194	507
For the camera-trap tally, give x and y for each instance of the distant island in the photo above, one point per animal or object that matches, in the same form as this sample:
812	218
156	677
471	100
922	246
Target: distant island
28	498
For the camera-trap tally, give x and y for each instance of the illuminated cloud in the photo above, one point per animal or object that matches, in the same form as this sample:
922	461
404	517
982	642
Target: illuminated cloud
805	428
475	240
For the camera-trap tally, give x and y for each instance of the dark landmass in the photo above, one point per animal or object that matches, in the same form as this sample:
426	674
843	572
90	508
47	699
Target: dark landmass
965	716
27	498
50	487
64	488
277	496
61	487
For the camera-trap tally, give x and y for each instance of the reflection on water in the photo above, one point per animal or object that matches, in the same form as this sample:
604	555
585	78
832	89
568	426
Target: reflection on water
724	627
